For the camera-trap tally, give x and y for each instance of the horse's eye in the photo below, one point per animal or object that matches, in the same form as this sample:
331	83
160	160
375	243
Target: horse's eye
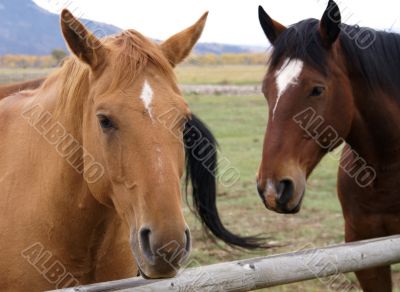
317	91
105	122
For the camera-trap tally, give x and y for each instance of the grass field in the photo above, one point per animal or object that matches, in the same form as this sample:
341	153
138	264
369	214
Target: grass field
229	74
13	75
239	124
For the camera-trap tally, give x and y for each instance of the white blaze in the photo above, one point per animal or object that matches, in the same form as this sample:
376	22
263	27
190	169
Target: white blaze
286	76
147	97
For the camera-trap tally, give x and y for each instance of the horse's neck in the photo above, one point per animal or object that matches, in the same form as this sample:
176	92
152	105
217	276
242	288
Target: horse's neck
39	173
375	132
68	163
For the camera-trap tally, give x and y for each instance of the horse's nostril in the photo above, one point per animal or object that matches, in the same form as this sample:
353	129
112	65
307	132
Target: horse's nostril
155	252
146	244
285	191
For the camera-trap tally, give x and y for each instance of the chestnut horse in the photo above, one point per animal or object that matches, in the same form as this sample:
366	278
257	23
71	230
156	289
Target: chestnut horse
329	83
8	89
91	162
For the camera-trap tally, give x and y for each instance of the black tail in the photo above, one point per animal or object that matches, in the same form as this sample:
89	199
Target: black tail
201	170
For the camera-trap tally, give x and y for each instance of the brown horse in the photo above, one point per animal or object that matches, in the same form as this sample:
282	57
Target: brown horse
329	83
91	163
8	89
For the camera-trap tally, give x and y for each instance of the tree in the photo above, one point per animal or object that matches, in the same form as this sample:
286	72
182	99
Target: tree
58	55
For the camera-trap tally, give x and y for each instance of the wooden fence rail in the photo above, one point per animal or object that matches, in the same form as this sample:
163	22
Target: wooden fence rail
262	272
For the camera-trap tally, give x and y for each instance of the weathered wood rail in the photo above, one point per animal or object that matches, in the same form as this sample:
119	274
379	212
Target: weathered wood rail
269	271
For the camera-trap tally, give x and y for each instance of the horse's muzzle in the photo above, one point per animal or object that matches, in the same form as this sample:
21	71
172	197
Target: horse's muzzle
282	196
162	257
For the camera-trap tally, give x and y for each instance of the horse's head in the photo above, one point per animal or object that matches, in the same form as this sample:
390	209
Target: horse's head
310	105
129	85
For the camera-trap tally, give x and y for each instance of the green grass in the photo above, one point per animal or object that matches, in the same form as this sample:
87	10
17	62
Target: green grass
18	74
187	74
228	74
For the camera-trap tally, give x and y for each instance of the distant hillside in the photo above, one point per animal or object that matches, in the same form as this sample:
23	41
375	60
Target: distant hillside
214	48
26	28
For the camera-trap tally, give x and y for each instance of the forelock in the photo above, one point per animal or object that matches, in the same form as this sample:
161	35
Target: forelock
300	41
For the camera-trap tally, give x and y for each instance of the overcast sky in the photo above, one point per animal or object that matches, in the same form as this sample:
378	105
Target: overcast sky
232	22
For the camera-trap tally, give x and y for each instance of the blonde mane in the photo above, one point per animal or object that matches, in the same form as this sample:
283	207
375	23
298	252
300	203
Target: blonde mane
129	54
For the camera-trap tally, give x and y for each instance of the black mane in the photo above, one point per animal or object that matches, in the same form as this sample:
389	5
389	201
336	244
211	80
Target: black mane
375	56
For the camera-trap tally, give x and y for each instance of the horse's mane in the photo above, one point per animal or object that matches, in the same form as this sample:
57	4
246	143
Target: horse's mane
131	52
378	63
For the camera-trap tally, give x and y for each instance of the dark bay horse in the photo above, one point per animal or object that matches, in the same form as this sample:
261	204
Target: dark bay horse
330	83
91	162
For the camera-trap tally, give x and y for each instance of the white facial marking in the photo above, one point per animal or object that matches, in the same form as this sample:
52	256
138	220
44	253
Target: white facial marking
287	76
147	97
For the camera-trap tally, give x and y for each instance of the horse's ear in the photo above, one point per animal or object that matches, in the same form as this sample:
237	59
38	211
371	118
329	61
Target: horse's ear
81	42
178	47
330	24
271	28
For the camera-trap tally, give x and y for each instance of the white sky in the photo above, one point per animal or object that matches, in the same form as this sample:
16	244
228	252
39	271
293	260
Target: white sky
232	22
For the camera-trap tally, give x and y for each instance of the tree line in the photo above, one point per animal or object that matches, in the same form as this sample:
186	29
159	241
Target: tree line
32	61
57	55
228	59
